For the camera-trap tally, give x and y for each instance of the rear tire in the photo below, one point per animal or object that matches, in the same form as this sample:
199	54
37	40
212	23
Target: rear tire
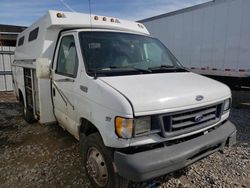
27	113
97	161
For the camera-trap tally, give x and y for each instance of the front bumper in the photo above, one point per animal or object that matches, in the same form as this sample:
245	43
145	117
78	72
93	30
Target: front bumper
153	163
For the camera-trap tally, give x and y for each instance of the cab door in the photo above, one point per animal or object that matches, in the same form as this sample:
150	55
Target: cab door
64	73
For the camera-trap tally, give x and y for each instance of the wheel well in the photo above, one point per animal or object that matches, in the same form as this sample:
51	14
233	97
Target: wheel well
87	127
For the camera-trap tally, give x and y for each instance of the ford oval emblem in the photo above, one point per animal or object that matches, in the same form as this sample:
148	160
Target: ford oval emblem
199	98
198	118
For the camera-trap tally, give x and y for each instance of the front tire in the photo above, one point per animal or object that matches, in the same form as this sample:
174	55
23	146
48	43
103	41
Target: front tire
97	160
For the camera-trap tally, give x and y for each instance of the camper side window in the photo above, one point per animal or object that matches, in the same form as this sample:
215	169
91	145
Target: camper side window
33	34
20	41
67	60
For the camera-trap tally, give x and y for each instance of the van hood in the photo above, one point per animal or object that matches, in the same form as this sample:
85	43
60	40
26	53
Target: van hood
161	93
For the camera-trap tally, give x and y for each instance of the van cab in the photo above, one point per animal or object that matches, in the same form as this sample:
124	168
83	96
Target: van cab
136	111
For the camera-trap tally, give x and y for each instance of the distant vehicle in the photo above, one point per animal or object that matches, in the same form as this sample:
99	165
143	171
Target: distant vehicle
210	39
136	112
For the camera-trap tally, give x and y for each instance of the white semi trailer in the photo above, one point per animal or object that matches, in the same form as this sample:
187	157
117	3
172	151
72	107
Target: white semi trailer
210	39
136	112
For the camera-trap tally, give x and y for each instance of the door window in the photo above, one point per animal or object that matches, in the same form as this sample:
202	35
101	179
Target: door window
67	61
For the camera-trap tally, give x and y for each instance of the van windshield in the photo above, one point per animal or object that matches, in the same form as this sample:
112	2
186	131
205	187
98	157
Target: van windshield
114	53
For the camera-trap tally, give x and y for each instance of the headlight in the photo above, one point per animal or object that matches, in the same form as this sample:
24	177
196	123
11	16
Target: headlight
124	127
227	105
142	125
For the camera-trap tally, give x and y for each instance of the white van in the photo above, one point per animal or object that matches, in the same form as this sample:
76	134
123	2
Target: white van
136	111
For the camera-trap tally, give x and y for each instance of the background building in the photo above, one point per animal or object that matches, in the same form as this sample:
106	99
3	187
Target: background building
8	35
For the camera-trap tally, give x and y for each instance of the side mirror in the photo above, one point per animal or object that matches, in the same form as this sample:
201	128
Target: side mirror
43	68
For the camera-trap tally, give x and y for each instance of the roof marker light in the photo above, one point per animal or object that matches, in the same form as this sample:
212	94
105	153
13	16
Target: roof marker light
60	15
104	19
112	20
96	18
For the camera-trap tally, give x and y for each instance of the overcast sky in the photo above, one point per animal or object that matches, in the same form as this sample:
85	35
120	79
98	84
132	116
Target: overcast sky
25	12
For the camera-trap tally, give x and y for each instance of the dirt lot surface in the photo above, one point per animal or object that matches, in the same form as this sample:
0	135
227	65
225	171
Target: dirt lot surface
34	155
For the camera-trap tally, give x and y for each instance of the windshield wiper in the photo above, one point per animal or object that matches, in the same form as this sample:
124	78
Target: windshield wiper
131	67
163	67
166	67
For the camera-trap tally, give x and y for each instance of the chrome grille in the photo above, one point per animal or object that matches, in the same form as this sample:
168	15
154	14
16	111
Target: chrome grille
192	118
178	123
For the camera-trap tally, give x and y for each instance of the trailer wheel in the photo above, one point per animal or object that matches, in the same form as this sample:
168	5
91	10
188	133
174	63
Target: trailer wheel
27	113
97	162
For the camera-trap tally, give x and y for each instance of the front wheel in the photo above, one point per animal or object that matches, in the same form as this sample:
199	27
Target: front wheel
97	160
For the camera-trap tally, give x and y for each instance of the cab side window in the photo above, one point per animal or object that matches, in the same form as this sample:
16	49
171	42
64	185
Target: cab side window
67	61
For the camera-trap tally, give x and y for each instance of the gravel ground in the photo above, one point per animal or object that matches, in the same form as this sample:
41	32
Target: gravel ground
34	155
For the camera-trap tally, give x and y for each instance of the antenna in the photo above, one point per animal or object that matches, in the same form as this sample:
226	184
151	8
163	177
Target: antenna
67	6
90	14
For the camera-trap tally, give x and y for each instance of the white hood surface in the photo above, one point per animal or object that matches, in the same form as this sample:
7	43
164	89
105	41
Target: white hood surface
166	91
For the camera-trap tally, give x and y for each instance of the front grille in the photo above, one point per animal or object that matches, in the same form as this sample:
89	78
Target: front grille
193	118
183	122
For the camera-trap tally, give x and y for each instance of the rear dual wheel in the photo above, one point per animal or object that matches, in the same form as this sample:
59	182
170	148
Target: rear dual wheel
27	112
97	160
